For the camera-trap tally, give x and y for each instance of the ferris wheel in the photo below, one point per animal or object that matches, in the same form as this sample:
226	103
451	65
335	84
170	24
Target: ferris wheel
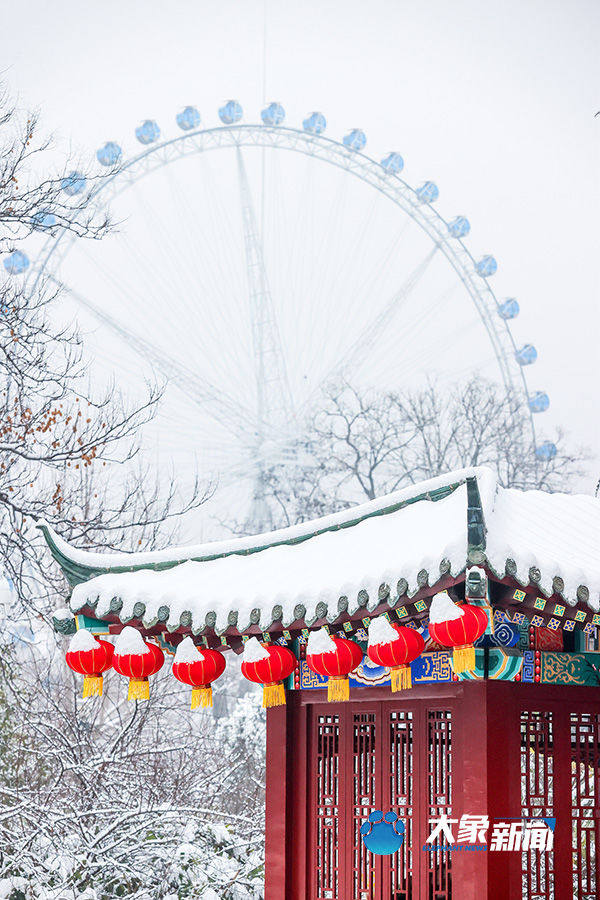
253	264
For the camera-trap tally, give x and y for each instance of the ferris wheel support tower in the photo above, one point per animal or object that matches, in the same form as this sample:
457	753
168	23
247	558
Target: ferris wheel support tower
274	407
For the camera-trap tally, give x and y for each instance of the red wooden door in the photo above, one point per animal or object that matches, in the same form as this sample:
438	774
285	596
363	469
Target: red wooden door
560	777
382	755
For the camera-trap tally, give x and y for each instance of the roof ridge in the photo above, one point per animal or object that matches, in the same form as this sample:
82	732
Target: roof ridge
80	565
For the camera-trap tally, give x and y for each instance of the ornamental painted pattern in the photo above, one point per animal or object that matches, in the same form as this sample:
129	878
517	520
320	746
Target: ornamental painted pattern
429	667
569	668
505	635
548	638
501	666
432	667
369	673
528	670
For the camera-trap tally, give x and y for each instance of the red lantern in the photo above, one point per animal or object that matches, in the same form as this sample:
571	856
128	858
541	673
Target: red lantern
269	665
137	660
394	646
458	626
198	668
333	658
90	657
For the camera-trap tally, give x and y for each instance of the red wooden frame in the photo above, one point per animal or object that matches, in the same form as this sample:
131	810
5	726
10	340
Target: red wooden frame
489	723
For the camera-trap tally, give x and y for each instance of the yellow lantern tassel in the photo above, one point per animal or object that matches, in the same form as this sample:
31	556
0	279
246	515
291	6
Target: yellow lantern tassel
463	659
202	696
92	686
338	687
139	689
273	695
401	678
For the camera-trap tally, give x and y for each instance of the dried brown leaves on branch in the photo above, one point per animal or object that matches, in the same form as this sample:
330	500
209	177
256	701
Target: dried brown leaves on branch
67	454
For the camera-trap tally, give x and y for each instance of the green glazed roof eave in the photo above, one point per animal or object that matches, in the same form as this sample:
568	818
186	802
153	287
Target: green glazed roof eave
335	566
80	566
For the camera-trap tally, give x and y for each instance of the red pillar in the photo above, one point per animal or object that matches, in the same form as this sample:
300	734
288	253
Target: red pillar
277	815
470	788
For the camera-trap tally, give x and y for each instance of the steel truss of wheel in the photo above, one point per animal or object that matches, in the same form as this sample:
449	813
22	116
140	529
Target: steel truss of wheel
417	204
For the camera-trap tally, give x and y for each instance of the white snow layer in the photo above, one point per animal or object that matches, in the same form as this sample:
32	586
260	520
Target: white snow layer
97	560
557	533
187	652
320	642
130	641
83	640
336	563
381	632
443	609
254	651
63	613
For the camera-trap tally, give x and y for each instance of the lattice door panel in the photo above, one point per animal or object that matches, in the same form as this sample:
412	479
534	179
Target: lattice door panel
537	799
585	803
402	800
380	757
327	819
439	798
365	798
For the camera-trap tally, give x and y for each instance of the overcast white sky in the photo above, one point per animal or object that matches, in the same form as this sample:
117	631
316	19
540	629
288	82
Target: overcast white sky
492	99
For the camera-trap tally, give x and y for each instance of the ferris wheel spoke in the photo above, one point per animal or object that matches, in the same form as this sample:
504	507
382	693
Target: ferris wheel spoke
263	346
211	399
362	347
273	389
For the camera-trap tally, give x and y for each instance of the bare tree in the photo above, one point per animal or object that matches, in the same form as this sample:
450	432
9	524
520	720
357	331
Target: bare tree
33	198
67	454
106	798
361	445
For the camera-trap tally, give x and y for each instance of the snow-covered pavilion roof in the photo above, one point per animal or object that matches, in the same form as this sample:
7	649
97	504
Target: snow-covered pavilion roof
386	549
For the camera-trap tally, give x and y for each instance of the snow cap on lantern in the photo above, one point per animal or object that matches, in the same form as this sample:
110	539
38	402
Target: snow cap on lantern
198	668
457	626
333	658
395	647
443	609
90	658
188	652
269	665
381	631
136	659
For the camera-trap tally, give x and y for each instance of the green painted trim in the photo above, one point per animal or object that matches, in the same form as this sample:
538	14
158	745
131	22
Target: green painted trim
72	570
77	573
96	626
476	530
64	626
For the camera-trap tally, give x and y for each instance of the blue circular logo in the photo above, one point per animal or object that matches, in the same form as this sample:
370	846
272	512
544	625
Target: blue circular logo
382	834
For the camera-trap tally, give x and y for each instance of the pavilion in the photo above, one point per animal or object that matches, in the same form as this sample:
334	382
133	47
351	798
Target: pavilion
515	739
